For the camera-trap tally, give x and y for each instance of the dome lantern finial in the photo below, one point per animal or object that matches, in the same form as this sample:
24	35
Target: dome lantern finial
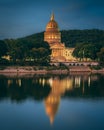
52	16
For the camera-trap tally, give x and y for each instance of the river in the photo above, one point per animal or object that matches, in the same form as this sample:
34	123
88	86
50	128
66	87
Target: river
52	102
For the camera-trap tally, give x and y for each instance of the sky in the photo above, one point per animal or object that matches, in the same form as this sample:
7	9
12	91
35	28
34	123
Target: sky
20	18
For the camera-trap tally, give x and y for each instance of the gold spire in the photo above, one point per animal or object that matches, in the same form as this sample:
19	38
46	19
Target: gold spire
52	16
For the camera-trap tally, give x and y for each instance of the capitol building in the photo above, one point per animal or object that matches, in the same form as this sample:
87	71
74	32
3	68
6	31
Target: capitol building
52	35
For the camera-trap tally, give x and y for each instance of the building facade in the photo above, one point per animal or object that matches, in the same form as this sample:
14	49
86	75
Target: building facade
52	35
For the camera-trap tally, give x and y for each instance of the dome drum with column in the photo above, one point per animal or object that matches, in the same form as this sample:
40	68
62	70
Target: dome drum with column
51	37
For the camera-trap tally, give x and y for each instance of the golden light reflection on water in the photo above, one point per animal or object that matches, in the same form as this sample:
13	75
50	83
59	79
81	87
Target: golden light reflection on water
9	82
77	81
58	88
42	81
52	102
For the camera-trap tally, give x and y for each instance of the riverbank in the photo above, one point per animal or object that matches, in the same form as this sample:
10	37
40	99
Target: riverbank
47	70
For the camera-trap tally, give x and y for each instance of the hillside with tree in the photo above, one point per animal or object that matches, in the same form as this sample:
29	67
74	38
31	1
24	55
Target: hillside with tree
87	43
73	37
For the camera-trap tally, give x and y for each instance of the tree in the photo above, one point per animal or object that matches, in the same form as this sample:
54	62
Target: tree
3	48
101	54
40	55
86	51
89	51
78	51
21	51
11	45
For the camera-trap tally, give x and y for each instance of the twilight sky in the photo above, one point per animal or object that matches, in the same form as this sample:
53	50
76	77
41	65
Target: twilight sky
19	18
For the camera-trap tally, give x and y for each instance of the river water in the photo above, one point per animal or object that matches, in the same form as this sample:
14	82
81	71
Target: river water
71	102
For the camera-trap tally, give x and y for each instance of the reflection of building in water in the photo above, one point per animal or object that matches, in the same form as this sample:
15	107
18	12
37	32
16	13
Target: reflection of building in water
77	81
42	81
53	100
10	81
94	77
18	81
59	87
89	81
51	104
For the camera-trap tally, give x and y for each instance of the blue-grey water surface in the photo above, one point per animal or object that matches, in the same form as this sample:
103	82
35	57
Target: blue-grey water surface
72	102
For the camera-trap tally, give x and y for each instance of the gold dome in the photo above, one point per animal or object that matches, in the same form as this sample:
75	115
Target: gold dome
52	34
52	25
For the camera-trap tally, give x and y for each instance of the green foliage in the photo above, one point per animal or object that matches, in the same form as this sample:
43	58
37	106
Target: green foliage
3	48
4	61
84	50
40	55
72	37
101	54
32	50
96	67
27	52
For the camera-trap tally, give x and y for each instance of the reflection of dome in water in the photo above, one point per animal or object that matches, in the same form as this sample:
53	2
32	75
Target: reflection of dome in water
58	88
51	105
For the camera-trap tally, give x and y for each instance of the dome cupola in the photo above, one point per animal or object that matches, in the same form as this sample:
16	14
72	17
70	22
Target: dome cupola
52	25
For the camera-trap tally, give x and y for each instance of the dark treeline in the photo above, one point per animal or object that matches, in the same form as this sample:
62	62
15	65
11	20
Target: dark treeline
73	37
33	49
24	52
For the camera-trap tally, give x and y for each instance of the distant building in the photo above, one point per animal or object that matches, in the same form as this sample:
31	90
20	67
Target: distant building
53	36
